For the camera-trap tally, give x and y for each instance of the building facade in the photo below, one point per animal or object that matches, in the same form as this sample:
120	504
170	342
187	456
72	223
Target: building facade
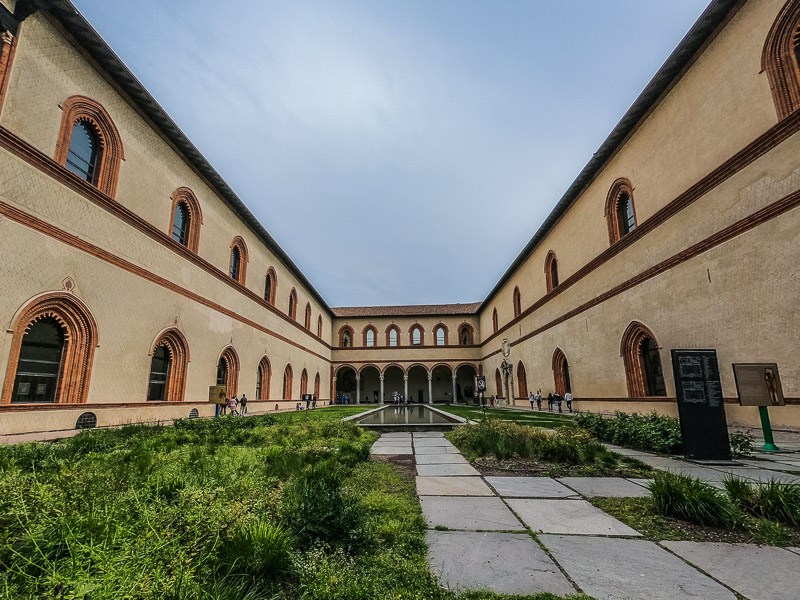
136	278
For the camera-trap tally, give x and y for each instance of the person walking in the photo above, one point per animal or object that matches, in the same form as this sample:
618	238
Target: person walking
314	402
234	404
308	401
224	408
550	402
568	398
243	404
557	397
531	399
539	399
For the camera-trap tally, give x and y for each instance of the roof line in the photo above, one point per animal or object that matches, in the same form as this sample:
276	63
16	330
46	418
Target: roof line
71	19
670	72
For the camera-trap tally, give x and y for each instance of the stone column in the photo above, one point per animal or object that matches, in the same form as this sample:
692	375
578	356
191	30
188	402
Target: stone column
381	398
358	389
333	390
405	387
430	387
455	399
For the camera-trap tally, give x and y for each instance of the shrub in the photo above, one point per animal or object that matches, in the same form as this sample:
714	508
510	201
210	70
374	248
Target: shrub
693	500
742	443
773	500
261	549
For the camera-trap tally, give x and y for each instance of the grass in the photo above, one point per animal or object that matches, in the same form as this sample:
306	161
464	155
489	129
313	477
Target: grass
518	447
523	417
277	507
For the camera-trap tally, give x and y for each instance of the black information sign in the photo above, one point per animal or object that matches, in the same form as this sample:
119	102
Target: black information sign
480	383
306	397
702	412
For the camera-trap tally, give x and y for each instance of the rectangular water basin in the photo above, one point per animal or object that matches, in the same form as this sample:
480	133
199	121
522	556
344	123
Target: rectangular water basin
415	417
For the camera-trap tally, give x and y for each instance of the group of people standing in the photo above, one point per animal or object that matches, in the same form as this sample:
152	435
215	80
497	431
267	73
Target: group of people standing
553	400
238	406
311	403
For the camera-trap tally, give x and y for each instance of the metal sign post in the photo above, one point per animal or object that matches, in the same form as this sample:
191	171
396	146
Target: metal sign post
759	384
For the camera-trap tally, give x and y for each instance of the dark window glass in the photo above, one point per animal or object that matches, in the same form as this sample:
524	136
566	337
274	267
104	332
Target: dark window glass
236	259
465	337
651	362
180	224
346	340
291	306
627	223
416	336
258	384
393	337
83	151
567	383
159	371
554	272
39	363
268	289
222	372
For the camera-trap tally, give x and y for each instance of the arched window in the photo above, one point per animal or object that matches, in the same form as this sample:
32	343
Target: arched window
170	359
465	335
293	305
522	380
561	377
270	286
640	355
52	349
287	383
392	336
498	383
239	258
263	376
303	383
370	335
620	211
186	218
316	386
89	144
346	337
517	303
440	335
308	316
319	326
551	271
494	321
84	151
228	371
781	59
417	335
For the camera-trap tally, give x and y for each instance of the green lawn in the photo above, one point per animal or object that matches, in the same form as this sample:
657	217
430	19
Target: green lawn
269	507
523	417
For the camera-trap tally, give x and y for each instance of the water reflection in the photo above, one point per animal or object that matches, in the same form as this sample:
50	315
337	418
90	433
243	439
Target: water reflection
405	415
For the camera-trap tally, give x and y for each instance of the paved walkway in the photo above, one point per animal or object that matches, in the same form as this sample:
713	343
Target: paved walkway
480	537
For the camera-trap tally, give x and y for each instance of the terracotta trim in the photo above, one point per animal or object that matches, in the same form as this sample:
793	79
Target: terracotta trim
265	369
471	338
80	339
551	271
292	312
231	359
244	258
272	277
81	108
25	151
399	341
752	221
416	325
522	381
342	330
765	142
559	372
319	326
316	386
44	228
517	301
437	359
618	188
307	319
178	349
303	383
186	196
446	334
287	382
629	349
364	336
780	61
12	408
8	48
498	384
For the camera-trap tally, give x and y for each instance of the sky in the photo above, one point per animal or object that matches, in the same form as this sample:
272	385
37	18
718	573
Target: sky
399	151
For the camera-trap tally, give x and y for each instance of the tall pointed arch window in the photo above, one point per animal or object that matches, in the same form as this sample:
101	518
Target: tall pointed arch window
263	376
303	383
346	337
498	383
293	305
370	336
270	286
287	383
517	303
551	271
238	264
180	223
561	376
89	144
319	326
465	335
494	321
228	371
620	211
186	218
308	316
316	386
440	335
522	380
52	349
392	336
642	360
168	363
417	335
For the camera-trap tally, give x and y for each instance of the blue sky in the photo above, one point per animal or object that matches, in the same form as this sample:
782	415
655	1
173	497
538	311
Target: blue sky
401	152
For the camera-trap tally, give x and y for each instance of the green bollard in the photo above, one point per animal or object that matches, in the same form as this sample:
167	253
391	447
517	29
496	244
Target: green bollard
769	442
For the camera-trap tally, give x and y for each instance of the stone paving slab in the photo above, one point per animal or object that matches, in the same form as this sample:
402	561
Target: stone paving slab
445	470
428	434
459	512
642	482
617	569
452	486
568	516
757	572
440	459
428	442
704	473
529	487
506	563
605	487
627	451
762	475
437	450
391	450
795	550
396	434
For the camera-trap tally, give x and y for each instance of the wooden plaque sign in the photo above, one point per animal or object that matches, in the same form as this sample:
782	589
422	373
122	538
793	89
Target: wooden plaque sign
758	384
216	394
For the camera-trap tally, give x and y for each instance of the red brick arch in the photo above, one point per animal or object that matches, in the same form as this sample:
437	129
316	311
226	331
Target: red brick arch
271	286
443	327
244	257
303	383
231	359
421	334
307	322
517	302
388	333
292	312
287	382
364	335
346	329
470	331
316	386
177	347
522	381
630	349
621	187
81	108
551	271
780	59
80	340
561	374
265	370
185	196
